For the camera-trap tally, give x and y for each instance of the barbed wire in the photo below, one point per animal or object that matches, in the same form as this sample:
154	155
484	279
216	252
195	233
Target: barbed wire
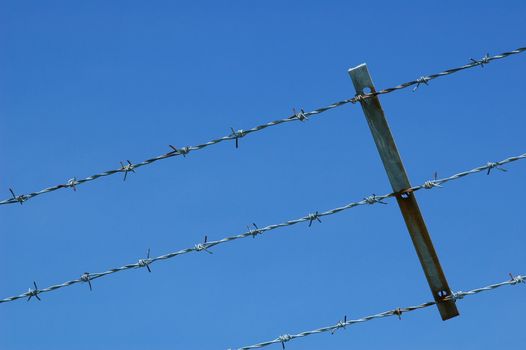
427	78
237	134
282	339
254	230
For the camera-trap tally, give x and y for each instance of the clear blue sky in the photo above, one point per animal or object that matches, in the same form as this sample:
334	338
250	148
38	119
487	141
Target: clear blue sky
84	85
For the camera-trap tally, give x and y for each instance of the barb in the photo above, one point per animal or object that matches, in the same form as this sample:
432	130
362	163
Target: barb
235	135
126	169
314	217
432	183
72	183
299	115
146	262
374	199
203	246
86	277
257	231
181	151
33	292
484	60
421	80
283	339
17	199
340	324
492	165
396	312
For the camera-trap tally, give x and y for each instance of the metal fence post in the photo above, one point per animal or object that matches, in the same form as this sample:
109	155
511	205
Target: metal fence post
407	201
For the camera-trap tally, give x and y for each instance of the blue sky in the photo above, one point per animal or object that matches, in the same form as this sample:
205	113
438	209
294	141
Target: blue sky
84	85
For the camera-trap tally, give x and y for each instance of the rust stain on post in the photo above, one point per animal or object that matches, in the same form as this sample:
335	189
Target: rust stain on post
406	201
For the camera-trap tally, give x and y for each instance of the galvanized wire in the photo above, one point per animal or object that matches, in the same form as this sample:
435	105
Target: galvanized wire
427	78
253	232
282	339
236	135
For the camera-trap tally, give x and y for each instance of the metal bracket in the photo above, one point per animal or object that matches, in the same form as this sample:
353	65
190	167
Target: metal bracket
406	200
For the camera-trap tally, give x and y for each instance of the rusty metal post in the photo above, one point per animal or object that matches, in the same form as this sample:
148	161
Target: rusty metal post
407	201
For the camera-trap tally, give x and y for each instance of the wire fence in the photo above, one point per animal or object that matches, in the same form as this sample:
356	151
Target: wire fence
129	167
254	230
282	339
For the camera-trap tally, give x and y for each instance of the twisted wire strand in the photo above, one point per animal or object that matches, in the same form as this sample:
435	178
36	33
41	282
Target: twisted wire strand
257	231
302	116
426	78
396	312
